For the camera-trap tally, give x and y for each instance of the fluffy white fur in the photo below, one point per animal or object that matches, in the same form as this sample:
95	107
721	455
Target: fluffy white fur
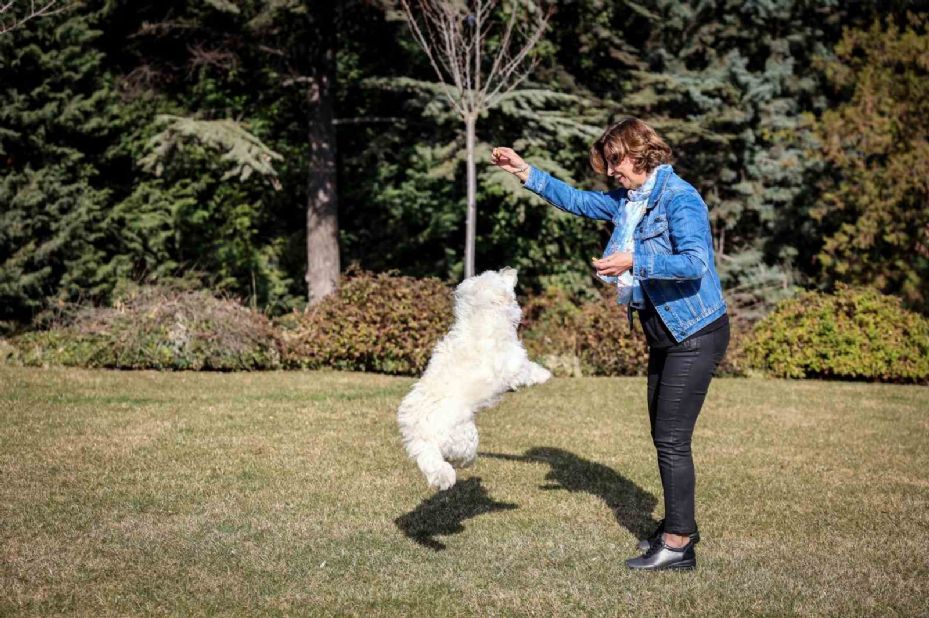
480	358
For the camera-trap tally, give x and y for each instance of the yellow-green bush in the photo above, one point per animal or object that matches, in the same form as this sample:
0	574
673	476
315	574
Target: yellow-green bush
384	323
154	327
856	333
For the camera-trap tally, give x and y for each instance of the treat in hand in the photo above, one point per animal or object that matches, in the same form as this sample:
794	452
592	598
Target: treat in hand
507	159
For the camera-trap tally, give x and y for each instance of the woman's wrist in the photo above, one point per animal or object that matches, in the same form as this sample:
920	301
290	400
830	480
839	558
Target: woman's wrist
523	172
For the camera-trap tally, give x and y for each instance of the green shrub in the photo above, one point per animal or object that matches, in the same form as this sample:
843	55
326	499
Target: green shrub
590	339
154	327
856	333
8	352
384	323
735	363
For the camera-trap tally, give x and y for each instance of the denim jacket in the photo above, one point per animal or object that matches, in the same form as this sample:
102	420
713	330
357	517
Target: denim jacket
673	258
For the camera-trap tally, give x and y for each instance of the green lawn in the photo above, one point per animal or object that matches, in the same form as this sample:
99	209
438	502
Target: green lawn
289	493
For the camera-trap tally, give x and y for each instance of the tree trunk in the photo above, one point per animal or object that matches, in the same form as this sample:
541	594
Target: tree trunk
322	225
471	223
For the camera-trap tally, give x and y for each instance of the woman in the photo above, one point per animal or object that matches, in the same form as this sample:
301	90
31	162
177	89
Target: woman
677	294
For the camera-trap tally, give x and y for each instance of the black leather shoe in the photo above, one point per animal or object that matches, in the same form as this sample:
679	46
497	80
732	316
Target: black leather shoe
644	544
662	557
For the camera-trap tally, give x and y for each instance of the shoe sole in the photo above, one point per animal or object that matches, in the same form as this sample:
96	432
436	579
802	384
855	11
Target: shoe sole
686	565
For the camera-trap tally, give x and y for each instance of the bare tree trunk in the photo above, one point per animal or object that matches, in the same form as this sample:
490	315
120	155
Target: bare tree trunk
322	225
471	223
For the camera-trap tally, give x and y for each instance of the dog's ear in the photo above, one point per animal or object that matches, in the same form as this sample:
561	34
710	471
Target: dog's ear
464	288
509	275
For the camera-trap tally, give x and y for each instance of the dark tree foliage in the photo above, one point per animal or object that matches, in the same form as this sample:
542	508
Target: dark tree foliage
735	87
58	119
874	210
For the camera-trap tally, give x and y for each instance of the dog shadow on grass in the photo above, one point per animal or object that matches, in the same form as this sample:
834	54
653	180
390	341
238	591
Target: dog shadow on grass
631	505
443	513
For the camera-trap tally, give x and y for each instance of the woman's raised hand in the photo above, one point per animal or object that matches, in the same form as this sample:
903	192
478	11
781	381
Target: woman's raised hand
507	159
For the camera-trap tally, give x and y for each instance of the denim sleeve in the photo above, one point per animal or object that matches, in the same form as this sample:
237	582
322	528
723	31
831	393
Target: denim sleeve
688	227
590	204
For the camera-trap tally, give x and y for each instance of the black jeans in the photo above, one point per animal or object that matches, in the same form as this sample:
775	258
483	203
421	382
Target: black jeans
678	381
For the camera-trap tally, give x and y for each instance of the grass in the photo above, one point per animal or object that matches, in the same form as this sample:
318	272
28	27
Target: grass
287	493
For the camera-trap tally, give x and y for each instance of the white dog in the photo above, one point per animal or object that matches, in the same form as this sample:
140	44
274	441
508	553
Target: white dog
478	359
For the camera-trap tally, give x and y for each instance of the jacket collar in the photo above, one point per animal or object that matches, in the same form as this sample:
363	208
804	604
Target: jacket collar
662	175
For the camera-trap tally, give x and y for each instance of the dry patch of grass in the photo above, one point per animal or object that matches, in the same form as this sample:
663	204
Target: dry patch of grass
289	493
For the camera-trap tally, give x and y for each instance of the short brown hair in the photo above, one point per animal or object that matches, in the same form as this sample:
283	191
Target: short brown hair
632	137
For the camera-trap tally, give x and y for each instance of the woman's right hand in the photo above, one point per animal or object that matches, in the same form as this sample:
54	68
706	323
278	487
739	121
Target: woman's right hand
507	159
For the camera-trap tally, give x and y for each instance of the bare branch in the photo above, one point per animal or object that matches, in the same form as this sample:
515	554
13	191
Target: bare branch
367	119
453	47
504	50
500	93
140	80
44	9
434	27
300	79
454	33
274	51
221	59
418	35
465	44
510	66
161	28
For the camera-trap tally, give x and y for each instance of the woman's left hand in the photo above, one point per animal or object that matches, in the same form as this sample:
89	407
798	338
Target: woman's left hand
613	264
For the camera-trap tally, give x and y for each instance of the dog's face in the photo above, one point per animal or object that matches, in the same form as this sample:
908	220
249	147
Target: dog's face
509	275
492	290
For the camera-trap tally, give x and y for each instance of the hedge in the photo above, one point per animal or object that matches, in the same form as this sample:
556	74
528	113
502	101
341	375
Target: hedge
856	333
388	323
154	327
384	323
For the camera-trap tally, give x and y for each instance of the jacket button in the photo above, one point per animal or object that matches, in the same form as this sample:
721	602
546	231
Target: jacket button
666	308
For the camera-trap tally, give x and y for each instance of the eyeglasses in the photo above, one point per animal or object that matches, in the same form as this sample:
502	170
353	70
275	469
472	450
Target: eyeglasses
614	159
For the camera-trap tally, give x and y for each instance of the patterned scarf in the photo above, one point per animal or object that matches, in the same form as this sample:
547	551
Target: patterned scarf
621	240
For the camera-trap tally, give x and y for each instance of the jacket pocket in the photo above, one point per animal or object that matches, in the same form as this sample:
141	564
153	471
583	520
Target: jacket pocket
659	226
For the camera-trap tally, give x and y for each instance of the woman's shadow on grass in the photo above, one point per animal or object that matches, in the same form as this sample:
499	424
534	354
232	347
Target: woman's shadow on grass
443	513
631	505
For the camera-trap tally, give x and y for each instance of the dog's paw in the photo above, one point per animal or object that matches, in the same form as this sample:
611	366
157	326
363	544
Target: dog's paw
442	477
539	374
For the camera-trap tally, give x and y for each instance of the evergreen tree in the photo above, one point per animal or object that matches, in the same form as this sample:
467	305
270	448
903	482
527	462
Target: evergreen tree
727	83
82	96
57	114
733	86
874	203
